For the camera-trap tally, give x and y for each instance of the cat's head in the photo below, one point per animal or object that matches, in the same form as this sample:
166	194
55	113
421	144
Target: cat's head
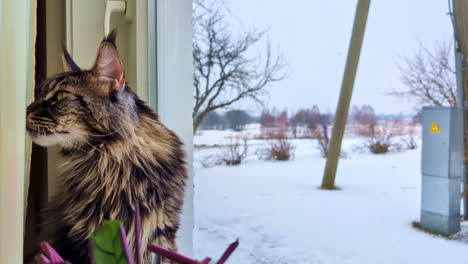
78	104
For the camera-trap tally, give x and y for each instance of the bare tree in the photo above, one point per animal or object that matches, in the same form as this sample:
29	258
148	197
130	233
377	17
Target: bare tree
214	121
363	115
237	119
300	121
228	69
429	77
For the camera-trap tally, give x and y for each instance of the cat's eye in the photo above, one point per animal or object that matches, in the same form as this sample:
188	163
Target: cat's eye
60	95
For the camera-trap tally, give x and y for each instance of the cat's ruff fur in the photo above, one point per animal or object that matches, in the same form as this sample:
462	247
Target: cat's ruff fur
117	156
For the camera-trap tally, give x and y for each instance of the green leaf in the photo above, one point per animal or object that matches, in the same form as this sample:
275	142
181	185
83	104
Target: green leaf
107	244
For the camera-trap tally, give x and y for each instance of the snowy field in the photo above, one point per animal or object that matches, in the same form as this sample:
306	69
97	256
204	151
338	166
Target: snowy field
280	216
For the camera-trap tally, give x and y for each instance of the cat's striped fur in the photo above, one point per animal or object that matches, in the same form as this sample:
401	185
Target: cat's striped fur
117	156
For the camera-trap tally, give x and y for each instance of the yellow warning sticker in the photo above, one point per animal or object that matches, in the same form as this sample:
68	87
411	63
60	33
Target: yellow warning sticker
435	128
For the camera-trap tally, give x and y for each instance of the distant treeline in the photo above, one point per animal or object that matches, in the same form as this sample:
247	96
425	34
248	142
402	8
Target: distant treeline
232	119
307	117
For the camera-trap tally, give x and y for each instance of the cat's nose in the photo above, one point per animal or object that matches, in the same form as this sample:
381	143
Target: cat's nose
30	109
33	106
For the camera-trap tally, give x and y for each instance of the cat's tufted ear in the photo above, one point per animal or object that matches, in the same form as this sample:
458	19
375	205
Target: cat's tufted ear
67	61
108	65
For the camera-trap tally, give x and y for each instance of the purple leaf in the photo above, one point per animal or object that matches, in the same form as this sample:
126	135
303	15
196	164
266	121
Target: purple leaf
206	261
138	256
41	259
49	255
124	241
171	255
228	252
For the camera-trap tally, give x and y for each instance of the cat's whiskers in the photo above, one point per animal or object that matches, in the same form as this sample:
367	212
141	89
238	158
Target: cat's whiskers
60	136
94	135
91	145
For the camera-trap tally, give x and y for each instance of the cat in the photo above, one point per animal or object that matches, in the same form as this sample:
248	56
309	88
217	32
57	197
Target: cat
117	156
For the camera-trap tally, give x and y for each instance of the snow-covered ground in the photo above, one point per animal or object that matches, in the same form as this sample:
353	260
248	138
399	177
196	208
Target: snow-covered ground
280	216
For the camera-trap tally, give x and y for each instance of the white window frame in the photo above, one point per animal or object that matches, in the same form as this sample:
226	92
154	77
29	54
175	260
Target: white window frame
171	87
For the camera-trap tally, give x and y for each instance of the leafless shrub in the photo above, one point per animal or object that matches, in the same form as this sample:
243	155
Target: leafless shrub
323	141
210	161
410	138
319	130
235	153
379	138
323	146
280	149
379	147
279	146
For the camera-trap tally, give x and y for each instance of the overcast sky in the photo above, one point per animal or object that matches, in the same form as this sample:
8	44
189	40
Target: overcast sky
313	35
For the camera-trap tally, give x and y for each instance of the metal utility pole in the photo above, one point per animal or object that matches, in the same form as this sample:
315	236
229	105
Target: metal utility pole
341	116
458	10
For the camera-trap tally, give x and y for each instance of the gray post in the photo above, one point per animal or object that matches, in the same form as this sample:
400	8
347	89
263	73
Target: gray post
461	102
341	116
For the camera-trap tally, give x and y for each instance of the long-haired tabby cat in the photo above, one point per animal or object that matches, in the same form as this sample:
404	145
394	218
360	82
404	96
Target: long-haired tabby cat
117	156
